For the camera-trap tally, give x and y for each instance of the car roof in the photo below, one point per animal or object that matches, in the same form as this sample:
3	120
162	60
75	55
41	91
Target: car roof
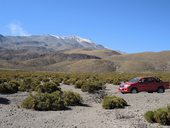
142	77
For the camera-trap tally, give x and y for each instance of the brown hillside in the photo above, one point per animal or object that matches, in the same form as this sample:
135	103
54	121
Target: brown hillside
148	61
104	53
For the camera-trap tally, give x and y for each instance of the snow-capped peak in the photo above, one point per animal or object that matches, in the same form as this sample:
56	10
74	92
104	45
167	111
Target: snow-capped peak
58	37
55	36
79	39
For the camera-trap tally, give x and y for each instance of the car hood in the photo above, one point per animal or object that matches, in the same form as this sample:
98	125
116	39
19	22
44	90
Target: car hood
130	83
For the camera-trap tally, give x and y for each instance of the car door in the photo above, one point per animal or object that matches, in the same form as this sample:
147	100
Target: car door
152	84
155	84
145	85
141	85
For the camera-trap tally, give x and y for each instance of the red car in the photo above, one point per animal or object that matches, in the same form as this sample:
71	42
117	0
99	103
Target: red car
148	84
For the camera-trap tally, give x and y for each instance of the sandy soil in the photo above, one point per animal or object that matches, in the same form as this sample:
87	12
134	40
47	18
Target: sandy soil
90	116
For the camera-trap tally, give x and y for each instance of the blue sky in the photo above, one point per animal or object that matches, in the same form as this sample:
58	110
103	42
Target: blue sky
127	25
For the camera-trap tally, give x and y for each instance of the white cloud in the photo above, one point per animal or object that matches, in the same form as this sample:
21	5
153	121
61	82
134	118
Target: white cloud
17	30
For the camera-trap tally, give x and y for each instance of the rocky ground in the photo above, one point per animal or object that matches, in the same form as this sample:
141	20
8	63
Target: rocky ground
91	115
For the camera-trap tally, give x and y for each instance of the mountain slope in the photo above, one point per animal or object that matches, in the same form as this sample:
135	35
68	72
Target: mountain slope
54	53
147	61
86	65
47	41
103	53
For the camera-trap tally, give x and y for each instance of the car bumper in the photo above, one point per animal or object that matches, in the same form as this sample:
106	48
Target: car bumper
125	90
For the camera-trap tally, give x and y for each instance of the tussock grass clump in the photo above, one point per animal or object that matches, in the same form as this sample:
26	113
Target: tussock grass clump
92	86
2	80
70	81
149	116
44	102
9	87
57	80
57	100
26	84
46	80
161	116
72	98
79	83
48	87
111	102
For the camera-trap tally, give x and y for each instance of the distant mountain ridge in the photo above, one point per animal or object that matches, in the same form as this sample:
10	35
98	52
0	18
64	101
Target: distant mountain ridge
56	43
74	54
54	53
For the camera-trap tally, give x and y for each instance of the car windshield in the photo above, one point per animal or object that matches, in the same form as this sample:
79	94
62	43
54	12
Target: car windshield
134	80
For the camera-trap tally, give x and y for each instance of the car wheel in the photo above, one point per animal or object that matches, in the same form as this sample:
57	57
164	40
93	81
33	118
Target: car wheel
161	90
134	90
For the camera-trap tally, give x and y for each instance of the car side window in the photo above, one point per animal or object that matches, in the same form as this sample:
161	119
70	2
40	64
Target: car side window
143	80
157	80
150	80
147	80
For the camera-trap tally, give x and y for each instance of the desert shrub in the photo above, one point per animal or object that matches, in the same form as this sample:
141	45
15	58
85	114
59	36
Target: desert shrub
48	87
57	80
10	87
109	80
44	101
65	79
24	87
161	116
25	84
2	80
34	84
91	86
149	116
57	100
29	84
70	81
111	102
14	83
72	98
29	102
46	80
79	83
40	78
168	117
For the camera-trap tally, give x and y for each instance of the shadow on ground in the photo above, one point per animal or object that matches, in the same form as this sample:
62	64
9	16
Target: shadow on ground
84	105
4	100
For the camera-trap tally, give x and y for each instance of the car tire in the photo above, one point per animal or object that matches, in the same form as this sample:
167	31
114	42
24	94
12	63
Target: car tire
160	90
134	90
